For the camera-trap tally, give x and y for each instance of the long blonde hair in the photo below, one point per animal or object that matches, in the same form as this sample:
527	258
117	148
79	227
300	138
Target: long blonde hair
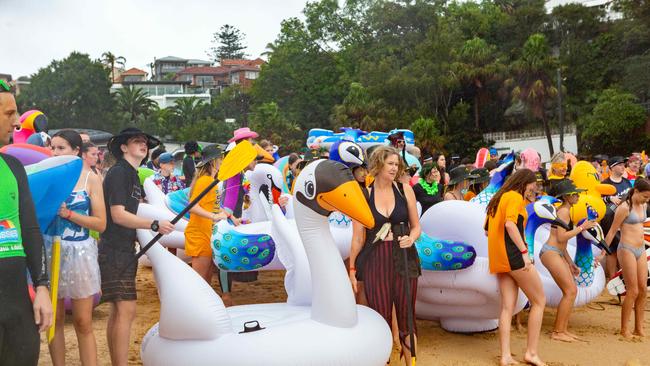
206	169
378	160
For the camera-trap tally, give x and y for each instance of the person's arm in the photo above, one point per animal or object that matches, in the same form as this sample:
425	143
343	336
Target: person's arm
620	214
414	222
563	235
97	220
358	240
33	246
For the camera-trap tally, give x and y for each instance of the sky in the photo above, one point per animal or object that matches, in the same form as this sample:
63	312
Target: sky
34	32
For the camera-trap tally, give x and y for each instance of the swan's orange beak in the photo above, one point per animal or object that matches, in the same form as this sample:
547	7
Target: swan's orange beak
348	199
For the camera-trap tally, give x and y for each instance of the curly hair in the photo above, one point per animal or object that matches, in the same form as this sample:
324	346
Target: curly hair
378	159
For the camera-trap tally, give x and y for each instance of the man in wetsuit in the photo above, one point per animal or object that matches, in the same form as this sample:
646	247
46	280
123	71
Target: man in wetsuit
21	248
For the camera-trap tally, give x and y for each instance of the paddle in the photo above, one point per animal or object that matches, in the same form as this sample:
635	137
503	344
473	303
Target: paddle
54	284
409	310
234	163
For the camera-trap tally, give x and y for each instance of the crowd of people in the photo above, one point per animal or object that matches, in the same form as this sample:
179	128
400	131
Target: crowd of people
98	223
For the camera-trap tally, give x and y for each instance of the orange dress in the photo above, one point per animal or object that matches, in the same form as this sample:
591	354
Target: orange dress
198	233
503	253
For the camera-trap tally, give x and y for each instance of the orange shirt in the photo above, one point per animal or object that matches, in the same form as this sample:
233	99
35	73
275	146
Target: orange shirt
200	226
512	207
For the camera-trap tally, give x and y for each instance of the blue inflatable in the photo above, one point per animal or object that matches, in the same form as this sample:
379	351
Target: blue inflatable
444	255
51	181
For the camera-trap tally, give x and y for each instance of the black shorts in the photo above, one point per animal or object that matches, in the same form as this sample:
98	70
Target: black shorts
118	269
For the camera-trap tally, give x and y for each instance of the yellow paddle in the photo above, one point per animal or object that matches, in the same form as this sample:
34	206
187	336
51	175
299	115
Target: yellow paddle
54	283
234	163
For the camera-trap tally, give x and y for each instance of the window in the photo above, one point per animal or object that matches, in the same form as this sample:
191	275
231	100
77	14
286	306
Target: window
251	75
234	78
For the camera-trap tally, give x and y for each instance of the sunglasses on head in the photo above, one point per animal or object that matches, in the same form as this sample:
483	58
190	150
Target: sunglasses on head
4	85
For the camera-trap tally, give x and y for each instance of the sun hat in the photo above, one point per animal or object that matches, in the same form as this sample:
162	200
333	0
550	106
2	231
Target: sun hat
481	175
208	154
243	133
124	136
566	187
458	174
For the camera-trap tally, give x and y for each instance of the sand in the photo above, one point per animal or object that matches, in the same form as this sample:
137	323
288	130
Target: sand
597	323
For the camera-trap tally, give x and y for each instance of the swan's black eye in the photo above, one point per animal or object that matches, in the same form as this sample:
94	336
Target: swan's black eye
269	176
309	189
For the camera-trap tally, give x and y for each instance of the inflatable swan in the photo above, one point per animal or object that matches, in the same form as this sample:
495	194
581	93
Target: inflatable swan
464	300
498	177
196	329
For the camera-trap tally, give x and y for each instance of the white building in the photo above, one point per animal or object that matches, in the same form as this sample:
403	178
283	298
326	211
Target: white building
505	142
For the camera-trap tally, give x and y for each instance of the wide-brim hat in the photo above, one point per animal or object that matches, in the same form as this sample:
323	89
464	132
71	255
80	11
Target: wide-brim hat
124	136
566	187
208	154
395	136
459	174
243	133
480	175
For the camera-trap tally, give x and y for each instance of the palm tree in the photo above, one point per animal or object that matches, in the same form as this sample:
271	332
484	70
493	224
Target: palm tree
478	66
532	81
110	60
135	103
187	109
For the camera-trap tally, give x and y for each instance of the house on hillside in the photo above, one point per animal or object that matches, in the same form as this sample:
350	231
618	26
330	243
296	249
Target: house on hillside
205	76
133	74
166	68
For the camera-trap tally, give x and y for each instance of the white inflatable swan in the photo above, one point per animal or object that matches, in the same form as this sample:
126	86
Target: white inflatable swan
465	300
196	329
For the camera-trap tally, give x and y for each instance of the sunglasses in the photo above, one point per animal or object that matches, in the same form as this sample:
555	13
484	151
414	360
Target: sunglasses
4	85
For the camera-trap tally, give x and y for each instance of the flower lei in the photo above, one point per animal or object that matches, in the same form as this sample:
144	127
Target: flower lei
431	189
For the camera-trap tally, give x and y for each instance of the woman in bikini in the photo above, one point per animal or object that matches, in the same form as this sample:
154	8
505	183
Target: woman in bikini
510	261
556	259
629	217
393	206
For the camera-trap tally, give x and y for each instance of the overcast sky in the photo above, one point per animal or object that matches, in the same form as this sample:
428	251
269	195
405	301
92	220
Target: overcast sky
34	32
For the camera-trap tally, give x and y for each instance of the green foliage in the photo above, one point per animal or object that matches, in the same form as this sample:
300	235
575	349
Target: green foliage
269	123
208	129
616	124
228	44
73	92
427	134
135	103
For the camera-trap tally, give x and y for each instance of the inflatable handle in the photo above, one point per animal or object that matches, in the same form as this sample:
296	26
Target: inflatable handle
254	328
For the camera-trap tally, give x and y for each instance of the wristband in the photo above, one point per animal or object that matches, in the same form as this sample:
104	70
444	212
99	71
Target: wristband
581	228
352	269
525	251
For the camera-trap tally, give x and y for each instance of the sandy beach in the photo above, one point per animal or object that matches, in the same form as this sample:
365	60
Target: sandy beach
597	323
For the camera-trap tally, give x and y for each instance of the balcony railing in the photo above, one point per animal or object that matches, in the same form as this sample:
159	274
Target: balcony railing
526	134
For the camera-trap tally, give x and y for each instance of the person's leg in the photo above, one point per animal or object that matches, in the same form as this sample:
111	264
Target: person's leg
82	318
361	294
225	283
630	274
611	264
642	284
57	346
561	273
402	308
531	285
203	266
509	291
124	314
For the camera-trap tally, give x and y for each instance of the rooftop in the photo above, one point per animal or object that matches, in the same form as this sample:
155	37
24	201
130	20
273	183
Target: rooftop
205	70
197	61
134	71
171	59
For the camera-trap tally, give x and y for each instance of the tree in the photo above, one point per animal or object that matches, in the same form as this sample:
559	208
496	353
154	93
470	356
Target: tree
478	66
360	110
73	92
616	125
228	44
188	110
110	60
209	129
532	82
427	134
269	123
135	103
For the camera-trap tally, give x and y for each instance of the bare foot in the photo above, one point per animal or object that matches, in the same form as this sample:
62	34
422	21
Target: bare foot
562	336
576	337
534	360
508	360
639	333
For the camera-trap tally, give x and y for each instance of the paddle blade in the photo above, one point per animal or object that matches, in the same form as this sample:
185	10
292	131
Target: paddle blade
237	159
54	283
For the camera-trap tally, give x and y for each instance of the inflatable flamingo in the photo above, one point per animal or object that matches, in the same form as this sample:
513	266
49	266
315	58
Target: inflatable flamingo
196	329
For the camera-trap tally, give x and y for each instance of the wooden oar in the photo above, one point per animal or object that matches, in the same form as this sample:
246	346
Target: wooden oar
54	283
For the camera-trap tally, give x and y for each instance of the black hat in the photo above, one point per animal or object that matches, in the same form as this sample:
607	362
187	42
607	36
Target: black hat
615	160
396	136
124	136
208	154
480	175
458	174
566	187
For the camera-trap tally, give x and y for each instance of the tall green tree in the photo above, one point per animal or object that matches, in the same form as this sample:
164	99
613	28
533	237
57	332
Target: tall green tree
228	43
532	81
269	123
479	65
110	60
135	103
73	92
188	110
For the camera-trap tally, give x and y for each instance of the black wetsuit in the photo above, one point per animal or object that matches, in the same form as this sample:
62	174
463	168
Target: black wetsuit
21	248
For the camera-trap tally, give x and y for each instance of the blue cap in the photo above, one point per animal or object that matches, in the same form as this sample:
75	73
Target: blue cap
165	158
